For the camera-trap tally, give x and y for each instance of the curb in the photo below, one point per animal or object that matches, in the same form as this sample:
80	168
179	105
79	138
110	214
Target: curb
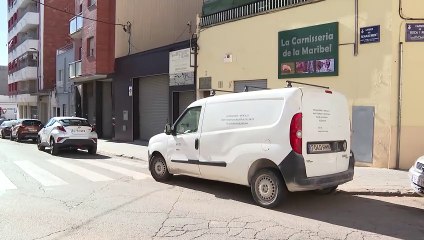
122	156
380	193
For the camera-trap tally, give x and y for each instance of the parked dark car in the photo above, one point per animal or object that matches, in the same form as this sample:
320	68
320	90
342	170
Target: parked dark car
5	128
26	129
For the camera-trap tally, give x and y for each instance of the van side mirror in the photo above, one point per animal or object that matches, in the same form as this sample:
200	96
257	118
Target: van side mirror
168	129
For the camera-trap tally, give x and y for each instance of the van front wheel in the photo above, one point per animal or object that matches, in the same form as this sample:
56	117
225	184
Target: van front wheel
268	188
158	169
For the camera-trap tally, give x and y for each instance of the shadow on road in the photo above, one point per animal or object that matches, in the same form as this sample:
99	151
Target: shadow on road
356	212
79	154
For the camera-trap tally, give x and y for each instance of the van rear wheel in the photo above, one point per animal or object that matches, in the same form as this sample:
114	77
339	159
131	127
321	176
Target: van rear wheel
268	188
159	169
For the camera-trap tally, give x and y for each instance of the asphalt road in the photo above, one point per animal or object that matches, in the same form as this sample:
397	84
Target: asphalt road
79	196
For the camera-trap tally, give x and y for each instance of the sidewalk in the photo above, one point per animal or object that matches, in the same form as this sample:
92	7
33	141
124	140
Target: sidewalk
366	181
135	150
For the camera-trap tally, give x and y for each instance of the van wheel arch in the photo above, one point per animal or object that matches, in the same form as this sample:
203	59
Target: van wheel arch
154	154
261	164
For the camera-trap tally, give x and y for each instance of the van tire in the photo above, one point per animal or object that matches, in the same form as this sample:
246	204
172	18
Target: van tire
328	190
159	169
268	188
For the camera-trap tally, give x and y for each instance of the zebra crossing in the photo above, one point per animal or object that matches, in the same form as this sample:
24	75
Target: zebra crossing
86	169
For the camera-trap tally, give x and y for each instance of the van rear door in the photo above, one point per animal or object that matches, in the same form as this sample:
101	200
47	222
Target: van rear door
325	132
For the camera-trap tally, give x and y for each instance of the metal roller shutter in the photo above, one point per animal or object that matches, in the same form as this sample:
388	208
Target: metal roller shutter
240	85
153	105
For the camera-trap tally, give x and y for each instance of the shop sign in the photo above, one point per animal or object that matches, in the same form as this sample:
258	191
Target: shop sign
370	34
181	71
309	52
415	32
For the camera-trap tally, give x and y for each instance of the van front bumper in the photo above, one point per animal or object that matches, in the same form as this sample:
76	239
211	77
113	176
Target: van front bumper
294	174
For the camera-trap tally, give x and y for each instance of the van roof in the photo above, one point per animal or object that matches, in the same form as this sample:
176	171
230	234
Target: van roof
272	93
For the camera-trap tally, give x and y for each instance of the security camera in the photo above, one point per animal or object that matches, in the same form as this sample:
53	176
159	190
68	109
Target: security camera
188	23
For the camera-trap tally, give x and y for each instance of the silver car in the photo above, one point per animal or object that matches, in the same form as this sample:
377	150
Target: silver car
416	174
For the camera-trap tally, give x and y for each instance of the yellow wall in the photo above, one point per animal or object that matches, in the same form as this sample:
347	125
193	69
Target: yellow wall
155	23
368	79
412	111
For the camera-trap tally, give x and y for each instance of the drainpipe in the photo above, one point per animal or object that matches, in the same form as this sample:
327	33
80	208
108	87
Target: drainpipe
356	47
399	107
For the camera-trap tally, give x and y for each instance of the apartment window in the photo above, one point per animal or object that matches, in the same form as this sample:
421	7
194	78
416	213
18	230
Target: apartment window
90	47
91	2
80	8
80	53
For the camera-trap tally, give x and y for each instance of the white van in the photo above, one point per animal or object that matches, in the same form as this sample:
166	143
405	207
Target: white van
275	141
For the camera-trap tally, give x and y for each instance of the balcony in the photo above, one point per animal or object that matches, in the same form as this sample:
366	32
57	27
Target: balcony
75	26
75	69
24	74
23	68
249	10
24	42
27	19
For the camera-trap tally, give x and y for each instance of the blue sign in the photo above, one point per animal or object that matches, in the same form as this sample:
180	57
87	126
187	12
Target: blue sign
370	34
415	32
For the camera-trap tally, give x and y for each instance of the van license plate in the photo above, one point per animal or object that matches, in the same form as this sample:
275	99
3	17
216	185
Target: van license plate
319	148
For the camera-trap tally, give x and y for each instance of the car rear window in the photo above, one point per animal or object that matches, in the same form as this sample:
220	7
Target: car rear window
31	123
74	122
8	123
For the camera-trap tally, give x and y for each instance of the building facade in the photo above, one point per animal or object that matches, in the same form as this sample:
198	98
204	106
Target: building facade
63	97
91	71
3	81
35	32
154	77
368	50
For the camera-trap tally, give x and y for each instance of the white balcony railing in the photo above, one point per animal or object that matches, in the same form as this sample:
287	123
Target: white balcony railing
75	69
75	24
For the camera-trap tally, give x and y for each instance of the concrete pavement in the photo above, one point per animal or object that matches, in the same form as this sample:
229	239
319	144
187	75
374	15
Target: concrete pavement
367	180
80	196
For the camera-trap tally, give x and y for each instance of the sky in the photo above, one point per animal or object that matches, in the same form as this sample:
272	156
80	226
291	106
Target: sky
3	33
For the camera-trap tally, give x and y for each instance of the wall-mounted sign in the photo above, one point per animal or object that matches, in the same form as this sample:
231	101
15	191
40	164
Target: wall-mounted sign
180	70
309	52
370	34
415	32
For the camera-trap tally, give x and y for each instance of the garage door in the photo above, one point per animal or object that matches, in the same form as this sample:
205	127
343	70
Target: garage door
253	85
154	105
185	99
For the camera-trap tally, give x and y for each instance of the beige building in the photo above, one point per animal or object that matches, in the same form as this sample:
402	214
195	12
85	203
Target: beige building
372	50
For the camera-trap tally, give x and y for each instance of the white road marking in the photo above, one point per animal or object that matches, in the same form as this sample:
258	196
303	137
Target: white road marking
90	175
5	183
123	171
128	162
39	174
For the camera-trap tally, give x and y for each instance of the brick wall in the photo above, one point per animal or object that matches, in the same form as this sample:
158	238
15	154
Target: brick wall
55	35
104	37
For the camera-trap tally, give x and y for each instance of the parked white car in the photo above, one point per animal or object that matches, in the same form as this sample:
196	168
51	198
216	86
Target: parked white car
416	174
67	132
275	141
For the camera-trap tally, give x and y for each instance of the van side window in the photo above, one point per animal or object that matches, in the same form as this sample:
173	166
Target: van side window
189	121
